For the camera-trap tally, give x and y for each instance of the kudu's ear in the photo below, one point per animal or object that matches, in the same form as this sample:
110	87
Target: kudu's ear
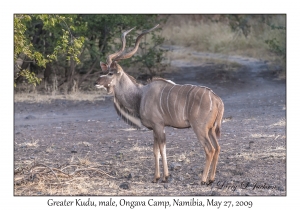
104	66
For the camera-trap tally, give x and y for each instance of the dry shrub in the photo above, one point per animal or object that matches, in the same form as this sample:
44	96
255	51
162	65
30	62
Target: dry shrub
205	34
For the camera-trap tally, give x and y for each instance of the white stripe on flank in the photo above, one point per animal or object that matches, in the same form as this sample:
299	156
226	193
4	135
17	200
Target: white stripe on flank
176	103
168	102
160	99
201	100
194	100
129	117
192	86
210	102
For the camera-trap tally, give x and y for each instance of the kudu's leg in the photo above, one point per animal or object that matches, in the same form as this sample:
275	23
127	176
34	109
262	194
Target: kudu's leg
160	140
162	147
202	135
156	157
217	147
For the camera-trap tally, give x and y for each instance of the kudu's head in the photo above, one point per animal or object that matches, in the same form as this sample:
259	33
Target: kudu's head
113	69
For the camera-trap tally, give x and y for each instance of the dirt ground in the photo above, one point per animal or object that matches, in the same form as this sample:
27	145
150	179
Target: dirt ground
81	147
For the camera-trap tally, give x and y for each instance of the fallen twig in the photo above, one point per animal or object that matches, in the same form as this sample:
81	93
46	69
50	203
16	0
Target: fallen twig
276	137
50	169
39	168
93	169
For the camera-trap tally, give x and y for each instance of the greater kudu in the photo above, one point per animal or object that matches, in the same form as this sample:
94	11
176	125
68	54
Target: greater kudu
163	103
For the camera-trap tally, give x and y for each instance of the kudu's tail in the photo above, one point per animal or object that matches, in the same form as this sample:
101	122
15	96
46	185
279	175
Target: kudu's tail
219	121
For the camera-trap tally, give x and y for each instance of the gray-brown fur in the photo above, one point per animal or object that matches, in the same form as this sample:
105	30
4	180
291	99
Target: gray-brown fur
163	103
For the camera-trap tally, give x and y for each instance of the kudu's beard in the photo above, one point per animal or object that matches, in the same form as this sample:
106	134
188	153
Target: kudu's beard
108	89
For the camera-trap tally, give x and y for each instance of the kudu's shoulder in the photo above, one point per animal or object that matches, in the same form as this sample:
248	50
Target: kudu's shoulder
156	86
162	81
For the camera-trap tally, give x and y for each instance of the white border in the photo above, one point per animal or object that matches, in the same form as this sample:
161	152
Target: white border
155	7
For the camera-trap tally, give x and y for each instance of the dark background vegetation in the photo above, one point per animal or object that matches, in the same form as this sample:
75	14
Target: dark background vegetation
61	53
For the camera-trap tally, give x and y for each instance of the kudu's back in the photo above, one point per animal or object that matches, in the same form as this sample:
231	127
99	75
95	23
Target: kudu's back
180	106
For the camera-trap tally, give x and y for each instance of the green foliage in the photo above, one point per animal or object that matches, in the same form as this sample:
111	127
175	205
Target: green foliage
150	57
104	31
153	61
277	43
240	22
46	38
276	46
55	38
267	32
30	76
153	57
21	44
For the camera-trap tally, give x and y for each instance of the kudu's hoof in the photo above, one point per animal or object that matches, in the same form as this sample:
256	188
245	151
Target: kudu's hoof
210	181
207	183
155	180
165	181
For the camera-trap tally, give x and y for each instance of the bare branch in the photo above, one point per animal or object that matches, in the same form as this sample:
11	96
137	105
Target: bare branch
88	73
50	170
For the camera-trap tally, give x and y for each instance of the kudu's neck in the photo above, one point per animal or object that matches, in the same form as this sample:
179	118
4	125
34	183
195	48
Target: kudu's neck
128	93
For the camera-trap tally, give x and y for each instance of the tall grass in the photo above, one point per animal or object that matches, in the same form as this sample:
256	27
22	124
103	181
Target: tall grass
207	35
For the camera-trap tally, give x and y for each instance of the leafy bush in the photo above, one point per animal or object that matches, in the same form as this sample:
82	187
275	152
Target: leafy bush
42	39
74	44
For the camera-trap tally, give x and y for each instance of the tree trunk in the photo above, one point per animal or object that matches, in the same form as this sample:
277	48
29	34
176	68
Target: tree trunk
48	72
71	76
88	73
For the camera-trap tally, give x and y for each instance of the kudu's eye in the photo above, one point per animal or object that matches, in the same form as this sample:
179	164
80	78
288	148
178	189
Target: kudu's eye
110	74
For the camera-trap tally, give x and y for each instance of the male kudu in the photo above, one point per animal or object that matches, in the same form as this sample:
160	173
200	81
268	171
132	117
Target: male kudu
163	103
